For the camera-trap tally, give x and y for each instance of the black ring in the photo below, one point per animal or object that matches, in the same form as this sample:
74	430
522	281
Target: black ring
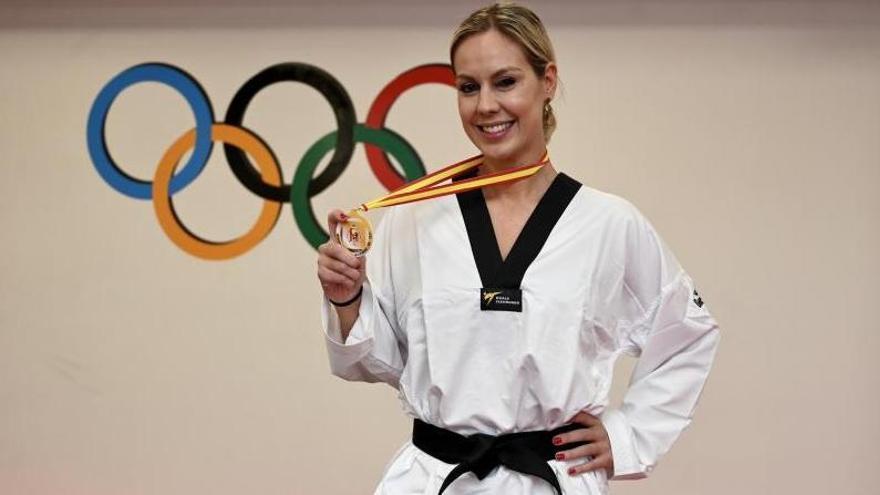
343	109
350	301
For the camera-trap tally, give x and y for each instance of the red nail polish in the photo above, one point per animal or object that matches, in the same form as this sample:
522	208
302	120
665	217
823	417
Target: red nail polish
557	441
560	456
571	471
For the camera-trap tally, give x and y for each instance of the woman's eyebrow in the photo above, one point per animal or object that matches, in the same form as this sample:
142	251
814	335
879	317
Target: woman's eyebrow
506	69
512	68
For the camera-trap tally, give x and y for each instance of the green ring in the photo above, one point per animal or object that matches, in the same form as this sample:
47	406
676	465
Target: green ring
300	201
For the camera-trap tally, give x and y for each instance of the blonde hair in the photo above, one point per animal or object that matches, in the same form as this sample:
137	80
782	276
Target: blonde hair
522	26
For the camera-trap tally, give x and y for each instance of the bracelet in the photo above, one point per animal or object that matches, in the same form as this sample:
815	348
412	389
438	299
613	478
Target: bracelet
350	301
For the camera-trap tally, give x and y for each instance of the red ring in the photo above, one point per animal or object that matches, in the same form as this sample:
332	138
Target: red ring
423	74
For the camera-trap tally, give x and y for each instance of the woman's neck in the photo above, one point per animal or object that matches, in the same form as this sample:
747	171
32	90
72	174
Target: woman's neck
529	189
493	165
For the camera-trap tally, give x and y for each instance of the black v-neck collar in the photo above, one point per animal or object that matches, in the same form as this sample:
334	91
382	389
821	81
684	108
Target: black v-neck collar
496	272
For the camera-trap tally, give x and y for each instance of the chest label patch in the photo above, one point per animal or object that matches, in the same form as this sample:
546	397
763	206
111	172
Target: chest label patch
501	300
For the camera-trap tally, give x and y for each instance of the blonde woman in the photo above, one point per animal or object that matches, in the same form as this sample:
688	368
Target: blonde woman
498	313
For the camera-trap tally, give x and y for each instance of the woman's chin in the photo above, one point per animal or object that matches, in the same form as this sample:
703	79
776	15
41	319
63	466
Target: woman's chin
498	154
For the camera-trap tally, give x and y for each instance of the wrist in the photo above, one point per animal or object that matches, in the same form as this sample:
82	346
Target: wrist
348	302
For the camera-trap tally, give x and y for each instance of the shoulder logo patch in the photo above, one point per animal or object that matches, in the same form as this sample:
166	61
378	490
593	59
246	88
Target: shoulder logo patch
697	299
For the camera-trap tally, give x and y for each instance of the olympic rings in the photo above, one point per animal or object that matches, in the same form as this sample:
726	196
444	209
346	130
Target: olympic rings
423	74
387	139
171	224
345	120
198	101
240	142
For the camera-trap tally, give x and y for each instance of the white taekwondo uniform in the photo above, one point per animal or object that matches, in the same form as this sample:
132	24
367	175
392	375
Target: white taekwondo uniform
603	283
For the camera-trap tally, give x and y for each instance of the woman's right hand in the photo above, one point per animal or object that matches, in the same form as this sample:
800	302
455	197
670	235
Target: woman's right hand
340	272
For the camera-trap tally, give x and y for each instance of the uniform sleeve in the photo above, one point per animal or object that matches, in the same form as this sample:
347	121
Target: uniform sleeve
374	350
668	327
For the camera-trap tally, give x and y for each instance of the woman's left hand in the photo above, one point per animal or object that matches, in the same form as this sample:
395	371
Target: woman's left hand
598	445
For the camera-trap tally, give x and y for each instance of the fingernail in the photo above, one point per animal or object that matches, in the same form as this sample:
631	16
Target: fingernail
571	471
557	441
560	456
343	216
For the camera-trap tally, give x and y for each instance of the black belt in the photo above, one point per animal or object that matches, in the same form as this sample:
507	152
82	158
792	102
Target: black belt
526	452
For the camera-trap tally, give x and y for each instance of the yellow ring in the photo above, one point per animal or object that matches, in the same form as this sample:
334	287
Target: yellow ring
178	233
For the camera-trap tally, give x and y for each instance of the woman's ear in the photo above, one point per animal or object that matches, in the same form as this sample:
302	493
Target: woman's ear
549	80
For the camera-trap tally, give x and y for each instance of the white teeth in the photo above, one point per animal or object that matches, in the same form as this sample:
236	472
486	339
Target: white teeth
496	128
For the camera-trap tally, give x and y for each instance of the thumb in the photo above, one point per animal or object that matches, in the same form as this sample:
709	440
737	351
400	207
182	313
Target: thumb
363	267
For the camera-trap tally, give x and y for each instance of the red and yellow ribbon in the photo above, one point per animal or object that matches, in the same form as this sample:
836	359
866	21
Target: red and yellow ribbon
356	234
429	186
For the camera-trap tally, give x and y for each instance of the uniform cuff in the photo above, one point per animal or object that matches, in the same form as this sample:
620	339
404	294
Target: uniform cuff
344	353
626	462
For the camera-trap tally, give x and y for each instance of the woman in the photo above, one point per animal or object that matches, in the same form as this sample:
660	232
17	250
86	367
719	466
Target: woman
583	277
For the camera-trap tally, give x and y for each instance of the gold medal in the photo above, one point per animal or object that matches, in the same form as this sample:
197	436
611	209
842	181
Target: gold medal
356	234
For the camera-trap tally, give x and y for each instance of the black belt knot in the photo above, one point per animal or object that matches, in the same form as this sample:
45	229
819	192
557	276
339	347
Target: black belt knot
526	452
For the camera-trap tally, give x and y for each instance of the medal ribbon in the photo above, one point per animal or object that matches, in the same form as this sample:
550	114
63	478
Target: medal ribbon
427	187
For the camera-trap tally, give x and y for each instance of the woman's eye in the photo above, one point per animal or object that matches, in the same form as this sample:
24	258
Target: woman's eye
467	87
506	82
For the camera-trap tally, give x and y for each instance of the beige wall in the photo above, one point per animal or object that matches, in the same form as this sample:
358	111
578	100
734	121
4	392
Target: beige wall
128	366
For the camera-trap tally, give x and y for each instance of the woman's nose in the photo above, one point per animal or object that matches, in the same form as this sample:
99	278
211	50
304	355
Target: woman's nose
487	102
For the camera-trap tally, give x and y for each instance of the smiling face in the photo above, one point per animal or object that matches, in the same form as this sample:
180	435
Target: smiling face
501	99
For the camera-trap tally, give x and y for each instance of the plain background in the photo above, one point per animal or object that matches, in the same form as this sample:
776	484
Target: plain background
747	131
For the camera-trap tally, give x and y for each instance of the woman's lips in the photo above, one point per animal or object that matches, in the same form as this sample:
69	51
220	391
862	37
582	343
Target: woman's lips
495	130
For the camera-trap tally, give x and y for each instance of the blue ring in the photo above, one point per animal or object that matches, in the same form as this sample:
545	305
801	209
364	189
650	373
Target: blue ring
198	101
